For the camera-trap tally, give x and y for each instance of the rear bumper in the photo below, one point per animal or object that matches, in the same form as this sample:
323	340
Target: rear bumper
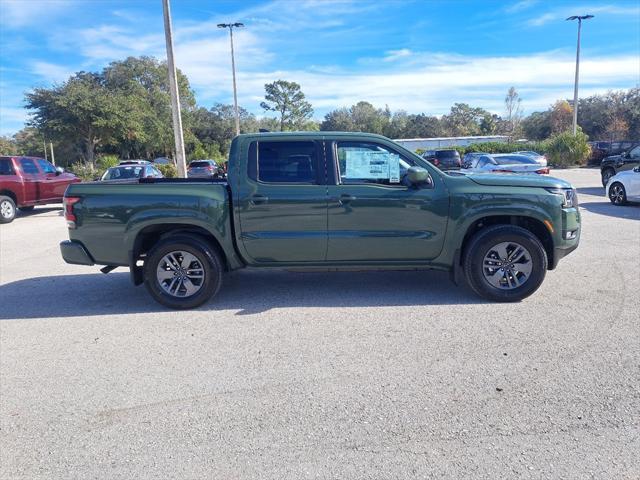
74	252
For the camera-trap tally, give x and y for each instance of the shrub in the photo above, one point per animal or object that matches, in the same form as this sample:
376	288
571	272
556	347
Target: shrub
169	170
105	162
566	149
85	171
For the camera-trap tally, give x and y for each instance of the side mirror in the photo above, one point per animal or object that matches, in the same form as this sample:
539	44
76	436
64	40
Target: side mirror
418	176
59	170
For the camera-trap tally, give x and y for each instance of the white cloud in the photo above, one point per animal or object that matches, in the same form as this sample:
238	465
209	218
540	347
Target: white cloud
20	13
565	12
519	6
51	71
397	54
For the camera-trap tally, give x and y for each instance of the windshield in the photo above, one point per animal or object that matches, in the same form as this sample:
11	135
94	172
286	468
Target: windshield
118	173
447	154
514	159
199	164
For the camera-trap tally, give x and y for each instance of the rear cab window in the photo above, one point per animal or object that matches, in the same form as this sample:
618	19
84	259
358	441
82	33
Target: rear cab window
284	162
6	166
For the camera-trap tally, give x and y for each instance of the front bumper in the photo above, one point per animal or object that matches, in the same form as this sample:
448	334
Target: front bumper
74	252
569	235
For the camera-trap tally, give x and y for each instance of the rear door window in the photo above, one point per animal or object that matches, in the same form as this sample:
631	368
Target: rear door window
28	166
284	162
6	167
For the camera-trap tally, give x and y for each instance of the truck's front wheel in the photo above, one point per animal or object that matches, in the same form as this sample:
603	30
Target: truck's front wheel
505	263
182	272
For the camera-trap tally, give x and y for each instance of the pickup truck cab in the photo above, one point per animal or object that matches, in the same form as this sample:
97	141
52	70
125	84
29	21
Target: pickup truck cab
329	200
29	181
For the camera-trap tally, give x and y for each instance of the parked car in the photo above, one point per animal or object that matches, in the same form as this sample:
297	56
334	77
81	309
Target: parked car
162	161
471	159
134	162
330	200
129	171
613	164
444	159
624	187
507	163
29	181
203	169
601	150
540	159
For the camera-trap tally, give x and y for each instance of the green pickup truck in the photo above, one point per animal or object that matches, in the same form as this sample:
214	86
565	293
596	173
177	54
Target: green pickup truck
324	200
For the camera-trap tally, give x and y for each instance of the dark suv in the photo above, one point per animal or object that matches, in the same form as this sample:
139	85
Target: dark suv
618	163
448	159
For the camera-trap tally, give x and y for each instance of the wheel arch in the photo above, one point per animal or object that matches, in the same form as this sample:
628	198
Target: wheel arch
532	224
150	235
9	193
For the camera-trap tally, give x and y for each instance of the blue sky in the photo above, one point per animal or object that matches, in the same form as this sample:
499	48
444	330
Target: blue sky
419	56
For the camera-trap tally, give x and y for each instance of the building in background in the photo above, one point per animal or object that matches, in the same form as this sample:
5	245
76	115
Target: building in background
414	144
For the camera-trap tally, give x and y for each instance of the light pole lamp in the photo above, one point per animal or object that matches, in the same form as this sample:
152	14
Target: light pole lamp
580	18
231	26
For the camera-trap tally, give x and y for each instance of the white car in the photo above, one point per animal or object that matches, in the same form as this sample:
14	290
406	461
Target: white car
541	159
506	163
624	186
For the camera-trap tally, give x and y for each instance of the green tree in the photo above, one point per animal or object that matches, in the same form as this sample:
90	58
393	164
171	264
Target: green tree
81	110
287	99
8	146
537	126
463	120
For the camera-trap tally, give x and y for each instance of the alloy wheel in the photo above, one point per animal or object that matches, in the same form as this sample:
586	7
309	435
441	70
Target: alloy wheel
6	209
507	265
616	194
180	274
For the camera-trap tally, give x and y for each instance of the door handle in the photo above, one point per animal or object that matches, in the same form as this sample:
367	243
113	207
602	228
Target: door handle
344	199
258	199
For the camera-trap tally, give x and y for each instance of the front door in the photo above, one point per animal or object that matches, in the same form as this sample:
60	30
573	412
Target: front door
283	202
374	214
31	178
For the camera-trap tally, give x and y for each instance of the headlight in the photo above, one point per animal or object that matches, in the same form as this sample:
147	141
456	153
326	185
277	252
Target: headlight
569	196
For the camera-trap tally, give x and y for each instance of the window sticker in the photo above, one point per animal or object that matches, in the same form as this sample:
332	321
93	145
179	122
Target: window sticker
370	165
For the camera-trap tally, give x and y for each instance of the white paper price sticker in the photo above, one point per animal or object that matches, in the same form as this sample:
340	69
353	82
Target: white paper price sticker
369	165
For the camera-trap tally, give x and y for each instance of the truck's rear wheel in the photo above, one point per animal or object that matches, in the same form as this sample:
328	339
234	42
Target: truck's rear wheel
7	209
182	272
505	263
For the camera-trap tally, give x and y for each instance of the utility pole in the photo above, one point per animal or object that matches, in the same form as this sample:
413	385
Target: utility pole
575	86
175	95
230	26
53	158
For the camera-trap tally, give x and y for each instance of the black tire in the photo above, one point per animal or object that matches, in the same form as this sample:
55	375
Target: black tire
26	209
617	194
482	244
7	209
606	174
208	261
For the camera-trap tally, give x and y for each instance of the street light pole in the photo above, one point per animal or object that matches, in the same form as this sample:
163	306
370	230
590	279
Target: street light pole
181	164
230	26
575	87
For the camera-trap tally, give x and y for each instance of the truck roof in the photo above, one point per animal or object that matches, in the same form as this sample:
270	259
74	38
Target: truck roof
312	134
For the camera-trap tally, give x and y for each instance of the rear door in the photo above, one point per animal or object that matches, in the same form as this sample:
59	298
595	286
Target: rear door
374	215
282	202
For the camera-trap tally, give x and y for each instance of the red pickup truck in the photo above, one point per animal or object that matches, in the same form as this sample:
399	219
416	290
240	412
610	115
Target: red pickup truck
29	181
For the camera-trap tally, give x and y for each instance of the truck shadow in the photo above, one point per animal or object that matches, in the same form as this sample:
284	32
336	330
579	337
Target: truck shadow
248	292
630	211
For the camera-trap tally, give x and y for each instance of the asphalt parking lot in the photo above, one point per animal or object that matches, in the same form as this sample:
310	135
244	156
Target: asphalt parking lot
322	375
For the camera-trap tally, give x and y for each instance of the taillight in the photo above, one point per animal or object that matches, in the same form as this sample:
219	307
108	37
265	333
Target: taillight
436	162
543	171
210	168
69	216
